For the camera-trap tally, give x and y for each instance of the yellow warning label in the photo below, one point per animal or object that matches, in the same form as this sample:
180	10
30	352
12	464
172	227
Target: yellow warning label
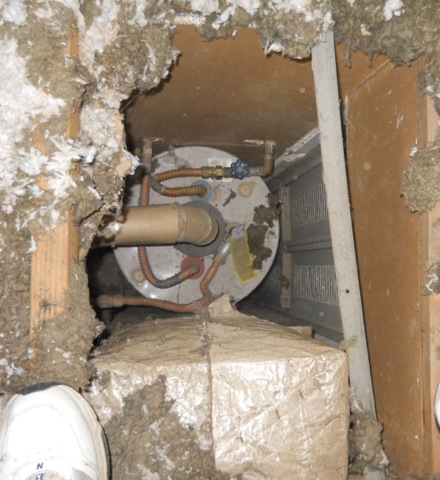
242	258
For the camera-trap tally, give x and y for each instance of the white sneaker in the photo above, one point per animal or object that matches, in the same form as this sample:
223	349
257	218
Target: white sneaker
437	406
50	432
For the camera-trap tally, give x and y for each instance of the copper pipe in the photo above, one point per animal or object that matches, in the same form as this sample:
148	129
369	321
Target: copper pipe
267	168
169	282
105	301
199	190
152	302
144	196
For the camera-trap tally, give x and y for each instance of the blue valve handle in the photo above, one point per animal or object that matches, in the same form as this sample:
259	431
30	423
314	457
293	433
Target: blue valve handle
240	169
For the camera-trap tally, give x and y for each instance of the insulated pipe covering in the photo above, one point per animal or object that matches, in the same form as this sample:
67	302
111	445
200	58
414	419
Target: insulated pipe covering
164	225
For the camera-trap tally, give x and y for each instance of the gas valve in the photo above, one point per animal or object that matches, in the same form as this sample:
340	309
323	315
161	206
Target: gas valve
240	169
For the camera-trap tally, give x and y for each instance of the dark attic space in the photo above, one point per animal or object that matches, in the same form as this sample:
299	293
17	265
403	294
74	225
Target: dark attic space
220	227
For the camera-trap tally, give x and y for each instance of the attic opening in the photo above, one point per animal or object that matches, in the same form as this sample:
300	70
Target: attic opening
381	110
228	96
224	101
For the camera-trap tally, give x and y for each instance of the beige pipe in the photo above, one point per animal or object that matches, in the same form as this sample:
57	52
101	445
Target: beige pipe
162	225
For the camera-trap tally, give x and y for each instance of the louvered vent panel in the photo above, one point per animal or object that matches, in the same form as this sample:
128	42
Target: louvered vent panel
316	283
309	206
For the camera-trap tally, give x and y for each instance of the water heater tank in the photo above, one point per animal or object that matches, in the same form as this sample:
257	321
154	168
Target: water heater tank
246	204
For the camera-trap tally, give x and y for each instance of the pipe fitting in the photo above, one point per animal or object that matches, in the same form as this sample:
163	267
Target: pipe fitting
110	301
196	226
147	154
267	168
216	172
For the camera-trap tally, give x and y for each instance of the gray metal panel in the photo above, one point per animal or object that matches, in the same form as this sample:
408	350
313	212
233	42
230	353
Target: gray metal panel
306	250
308	207
314	289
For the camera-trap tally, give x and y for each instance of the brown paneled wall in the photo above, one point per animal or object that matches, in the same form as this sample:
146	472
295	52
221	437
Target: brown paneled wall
384	119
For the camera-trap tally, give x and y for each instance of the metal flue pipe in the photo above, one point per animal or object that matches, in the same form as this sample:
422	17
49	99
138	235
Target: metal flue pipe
162	225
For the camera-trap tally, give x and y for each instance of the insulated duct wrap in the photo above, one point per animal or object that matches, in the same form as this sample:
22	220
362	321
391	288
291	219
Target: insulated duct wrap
271	403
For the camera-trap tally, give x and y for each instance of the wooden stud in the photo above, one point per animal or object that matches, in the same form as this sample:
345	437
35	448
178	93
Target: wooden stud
56	249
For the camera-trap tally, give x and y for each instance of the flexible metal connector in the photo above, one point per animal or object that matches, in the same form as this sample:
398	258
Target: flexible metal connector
168	282
115	301
155	180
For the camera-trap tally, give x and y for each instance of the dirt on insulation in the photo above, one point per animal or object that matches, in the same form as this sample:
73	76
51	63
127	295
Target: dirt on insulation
364	440
263	219
149	441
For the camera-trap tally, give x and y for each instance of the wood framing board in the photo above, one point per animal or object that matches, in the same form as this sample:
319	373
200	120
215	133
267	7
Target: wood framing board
429	245
50	272
56	249
335	181
381	127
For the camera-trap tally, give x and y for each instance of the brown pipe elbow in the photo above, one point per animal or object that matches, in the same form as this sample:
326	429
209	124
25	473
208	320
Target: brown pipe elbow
196	226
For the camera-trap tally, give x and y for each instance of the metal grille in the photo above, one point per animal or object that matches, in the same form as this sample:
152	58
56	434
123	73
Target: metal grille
309	206
273	280
316	283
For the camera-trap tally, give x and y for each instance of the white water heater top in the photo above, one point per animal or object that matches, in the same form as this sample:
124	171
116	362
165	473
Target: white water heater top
243	203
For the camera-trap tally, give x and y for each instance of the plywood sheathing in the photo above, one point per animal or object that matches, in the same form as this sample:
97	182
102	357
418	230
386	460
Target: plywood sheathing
251	96
382	118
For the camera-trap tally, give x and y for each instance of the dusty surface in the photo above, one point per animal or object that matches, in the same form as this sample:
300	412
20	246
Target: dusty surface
403	31
35	180
263	219
432	284
149	441
365	448
421	182
227	396
38	182
364	439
